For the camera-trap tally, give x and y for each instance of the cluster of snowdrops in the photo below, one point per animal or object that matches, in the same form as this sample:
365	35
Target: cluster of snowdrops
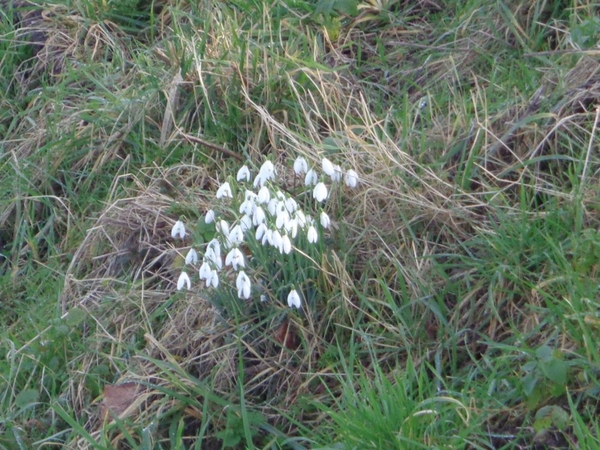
260	210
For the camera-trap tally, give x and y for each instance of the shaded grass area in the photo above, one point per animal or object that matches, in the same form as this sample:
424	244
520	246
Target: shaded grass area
457	306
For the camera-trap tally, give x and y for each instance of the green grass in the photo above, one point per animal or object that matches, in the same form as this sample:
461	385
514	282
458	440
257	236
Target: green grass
453	305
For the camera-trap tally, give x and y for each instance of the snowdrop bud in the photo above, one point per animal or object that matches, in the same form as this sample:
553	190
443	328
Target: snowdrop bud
286	244
320	192
311	178
243	285
325	219
184	280
178	230
264	195
351	178
210	216
283	217
294	299
224	191
267	171
328	168
191	257
223	228
243	174
312	234
300	165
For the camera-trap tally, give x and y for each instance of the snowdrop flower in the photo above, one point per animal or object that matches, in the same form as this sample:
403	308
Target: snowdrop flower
212	279
351	178
178	230
205	270
286	245
337	174
243	174
259	216
213	253
243	285
311	178
283	216
291	205
312	234
224	191
328	167
246	223
184	280
320	192
248	205
291	227
276	239
300	165
264	195
235	259
223	228
191	257
261	231
325	219
210	216
267	171
300	218
294	299
236	236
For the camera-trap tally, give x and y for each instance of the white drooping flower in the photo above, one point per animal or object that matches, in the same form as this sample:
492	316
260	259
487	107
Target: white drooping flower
325	221
213	253
261	232
320	192
243	174
184	280
311	178
243	285
191	257
178	230
210	216
223	228
246	223
291	227
300	165
337	174
212	279
235	259
249	203
291	205
267	171
205	270
286	244
236	236
294	299
351	178
312	234
328	167
259	216
264	195
224	191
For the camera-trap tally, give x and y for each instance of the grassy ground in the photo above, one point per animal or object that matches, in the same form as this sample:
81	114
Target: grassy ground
454	304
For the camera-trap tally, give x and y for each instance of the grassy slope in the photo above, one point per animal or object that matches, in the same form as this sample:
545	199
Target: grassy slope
458	305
